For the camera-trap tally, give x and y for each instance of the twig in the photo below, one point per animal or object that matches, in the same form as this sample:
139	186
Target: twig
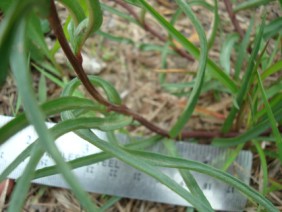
233	18
122	109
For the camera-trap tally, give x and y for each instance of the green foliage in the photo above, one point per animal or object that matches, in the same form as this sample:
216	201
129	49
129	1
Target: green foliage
194	96
23	45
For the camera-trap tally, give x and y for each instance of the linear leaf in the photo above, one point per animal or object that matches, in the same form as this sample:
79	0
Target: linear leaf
194	96
215	24
272	70
242	51
273	28
271	117
250	134
75	10
225	54
250	4
245	82
19	64
263	166
188	178
172	162
215	71
50	108
108	88
89	25
131	160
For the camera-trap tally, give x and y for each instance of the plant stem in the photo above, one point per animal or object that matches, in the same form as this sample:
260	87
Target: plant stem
233	18
122	109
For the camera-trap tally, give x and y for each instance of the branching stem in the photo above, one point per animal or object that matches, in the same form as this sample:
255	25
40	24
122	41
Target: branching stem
122	109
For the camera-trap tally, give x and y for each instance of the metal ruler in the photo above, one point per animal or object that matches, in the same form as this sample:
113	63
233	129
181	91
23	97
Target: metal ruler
113	177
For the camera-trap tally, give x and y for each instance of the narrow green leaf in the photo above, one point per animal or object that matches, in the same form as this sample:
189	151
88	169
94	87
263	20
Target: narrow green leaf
113	10
242	51
203	3
164	55
215	71
250	4
250	134
263	163
19	64
274	68
271	117
42	89
172	162
7	27
133	161
75	10
110	203
67	33
57	131
142	166
95	16
273	28
275	103
36	36
92	24
165	48
94	158
108	88
233	155
225	54
51	77
50	108
154	47
14	11
274	89
245	82
188	178
215	24
194	96
134	2
22	186
118	39
274	52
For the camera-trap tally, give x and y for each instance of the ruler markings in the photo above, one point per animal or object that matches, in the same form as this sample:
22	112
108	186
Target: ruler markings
113	177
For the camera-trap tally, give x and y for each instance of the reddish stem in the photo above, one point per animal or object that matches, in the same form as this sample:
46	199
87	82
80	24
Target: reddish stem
122	109
233	18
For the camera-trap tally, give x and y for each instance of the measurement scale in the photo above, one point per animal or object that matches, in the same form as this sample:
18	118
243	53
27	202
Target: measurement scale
113	177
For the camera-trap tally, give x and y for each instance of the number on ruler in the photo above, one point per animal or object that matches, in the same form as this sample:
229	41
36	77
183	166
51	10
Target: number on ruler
207	186
230	190
137	176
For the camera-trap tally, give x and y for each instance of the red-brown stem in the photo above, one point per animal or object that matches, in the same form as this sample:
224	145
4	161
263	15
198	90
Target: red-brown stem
77	66
122	109
233	18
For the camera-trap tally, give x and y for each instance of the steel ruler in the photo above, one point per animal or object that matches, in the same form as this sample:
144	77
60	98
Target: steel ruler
113	177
